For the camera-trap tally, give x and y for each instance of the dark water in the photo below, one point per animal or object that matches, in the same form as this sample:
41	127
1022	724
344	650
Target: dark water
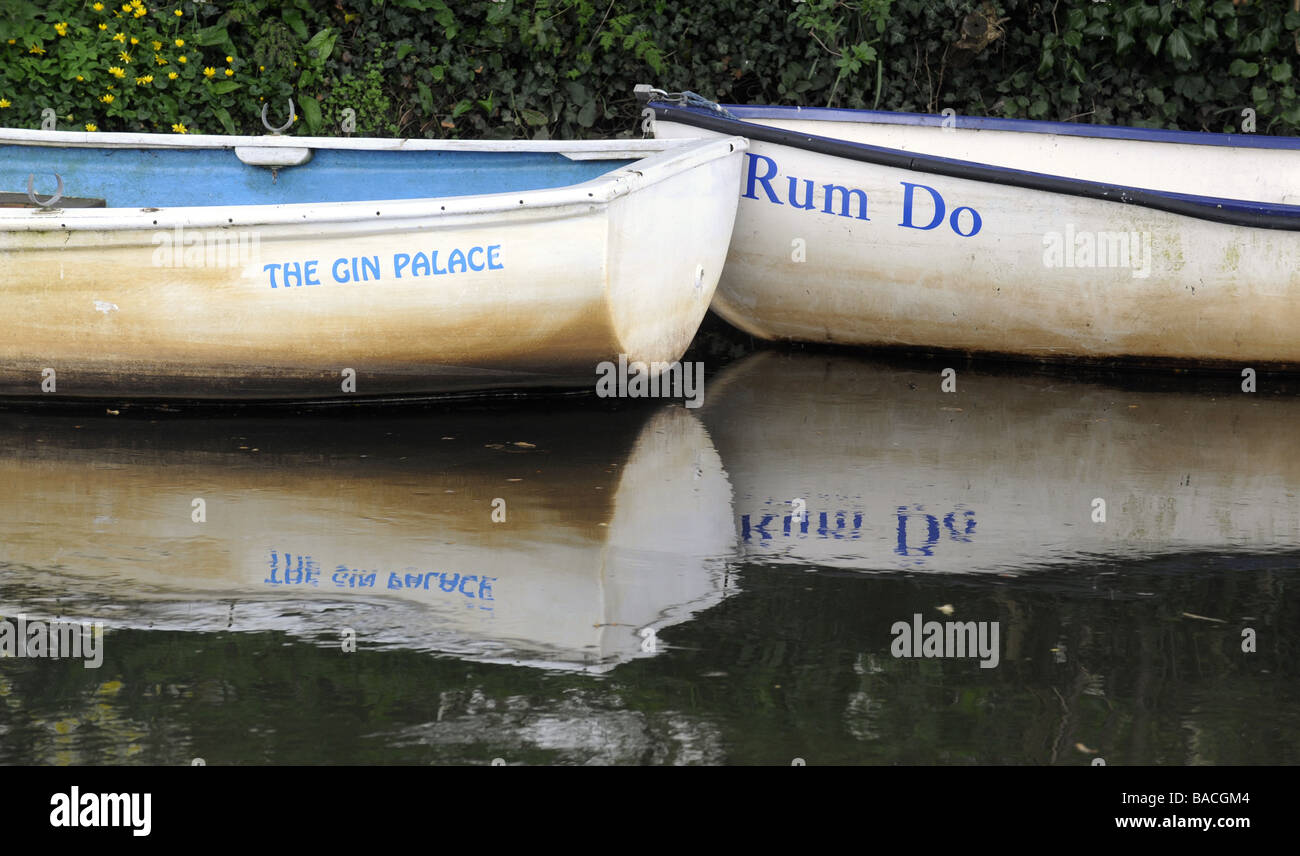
653	595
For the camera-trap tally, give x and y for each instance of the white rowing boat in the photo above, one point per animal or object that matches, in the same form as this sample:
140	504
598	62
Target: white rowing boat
281	268
1036	239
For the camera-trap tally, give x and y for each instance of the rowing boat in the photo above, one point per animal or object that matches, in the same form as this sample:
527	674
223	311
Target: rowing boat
1034	239
211	267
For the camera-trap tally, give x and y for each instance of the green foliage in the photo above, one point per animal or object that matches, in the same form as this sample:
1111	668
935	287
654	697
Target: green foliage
566	68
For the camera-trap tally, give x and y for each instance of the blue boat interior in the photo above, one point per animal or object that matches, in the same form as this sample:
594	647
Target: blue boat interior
164	178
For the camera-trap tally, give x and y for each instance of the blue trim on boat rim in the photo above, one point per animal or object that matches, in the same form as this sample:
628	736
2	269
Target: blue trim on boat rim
1023	126
1237	212
146	178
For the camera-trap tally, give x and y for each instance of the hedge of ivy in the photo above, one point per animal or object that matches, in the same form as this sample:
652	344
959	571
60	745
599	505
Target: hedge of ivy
552	68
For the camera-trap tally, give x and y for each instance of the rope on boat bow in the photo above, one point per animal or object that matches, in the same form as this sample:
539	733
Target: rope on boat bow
646	93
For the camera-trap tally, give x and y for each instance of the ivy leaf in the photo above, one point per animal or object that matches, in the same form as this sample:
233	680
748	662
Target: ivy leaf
1153	43
1281	72
1241	68
533	117
1178	47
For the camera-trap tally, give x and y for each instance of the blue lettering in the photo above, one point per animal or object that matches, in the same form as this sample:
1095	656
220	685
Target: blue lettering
369	267
292	270
472	251
400	261
975	221
310	276
847	195
493	264
335	270
456	257
420	266
765	180
907	207
436	270
808	185
271	269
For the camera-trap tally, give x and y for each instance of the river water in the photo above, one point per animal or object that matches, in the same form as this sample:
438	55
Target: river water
571	580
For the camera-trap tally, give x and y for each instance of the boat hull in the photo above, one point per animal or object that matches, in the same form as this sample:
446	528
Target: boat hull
914	258
315	301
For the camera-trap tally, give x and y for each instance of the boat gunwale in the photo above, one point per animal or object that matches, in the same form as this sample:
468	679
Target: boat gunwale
664	160
1020	126
128	140
1233	212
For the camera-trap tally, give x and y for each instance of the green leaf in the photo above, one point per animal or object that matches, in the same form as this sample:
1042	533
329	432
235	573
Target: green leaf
209	36
293	18
1123	41
311	113
1153	42
224	118
221	87
1178	47
426	97
587	115
322	43
1241	68
533	117
1281	72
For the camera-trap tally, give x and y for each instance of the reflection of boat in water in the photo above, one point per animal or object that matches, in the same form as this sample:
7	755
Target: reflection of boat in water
1001	475
613	523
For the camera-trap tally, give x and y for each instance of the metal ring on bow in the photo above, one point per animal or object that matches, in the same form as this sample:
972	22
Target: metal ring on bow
283	127
31	191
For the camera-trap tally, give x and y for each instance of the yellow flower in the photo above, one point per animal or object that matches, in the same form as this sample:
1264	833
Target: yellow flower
261	68
182	59
61	28
124	57
80	78
36	49
157	45
141	12
91	126
209	71
134	40
171	75
107	98
117	72
11	41
158	58
180	43
141	81
229	60
126	7
179	128
179	13
103	26
229	73
98	7
4	102
137	3
120	37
